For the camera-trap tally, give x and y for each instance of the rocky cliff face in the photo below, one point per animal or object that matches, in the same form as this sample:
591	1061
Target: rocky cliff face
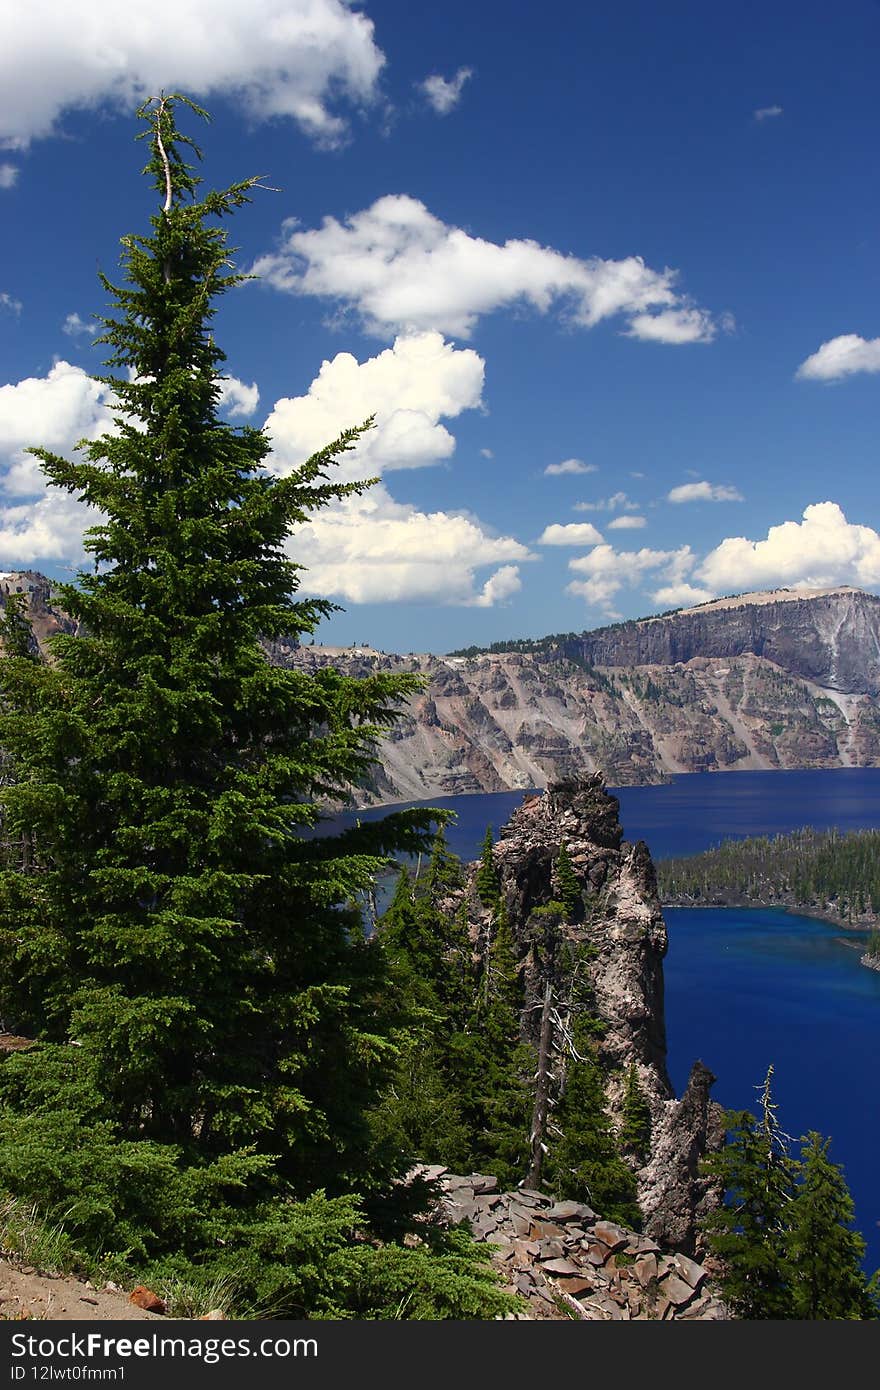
694	692
777	680
623	925
830	637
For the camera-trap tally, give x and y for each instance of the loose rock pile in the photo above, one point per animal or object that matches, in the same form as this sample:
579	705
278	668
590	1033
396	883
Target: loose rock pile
561	1256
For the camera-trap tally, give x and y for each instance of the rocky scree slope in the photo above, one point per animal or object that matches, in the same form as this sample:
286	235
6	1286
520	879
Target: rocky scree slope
780	680
787	679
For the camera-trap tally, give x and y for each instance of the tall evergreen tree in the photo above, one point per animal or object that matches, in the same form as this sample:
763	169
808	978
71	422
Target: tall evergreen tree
169	916
488	884
749	1231
568	889
635	1129
824	1251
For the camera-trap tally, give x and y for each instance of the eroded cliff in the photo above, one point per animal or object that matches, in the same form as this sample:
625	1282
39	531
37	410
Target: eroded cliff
621	925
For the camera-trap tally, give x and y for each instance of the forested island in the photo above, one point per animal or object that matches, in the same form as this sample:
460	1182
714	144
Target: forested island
822	873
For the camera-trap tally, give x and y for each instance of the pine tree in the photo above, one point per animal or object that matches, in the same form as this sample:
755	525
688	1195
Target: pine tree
169	917
824	1252
635	1129
748	1232
568	889
585	1161
488	884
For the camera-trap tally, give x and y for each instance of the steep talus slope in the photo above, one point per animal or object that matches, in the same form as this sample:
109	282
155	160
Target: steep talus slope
766	681
777	680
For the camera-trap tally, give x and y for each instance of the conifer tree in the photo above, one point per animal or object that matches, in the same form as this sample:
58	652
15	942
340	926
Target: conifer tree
824	1252
568	889
748	1233
635	1129
488	885
585	1162
170	917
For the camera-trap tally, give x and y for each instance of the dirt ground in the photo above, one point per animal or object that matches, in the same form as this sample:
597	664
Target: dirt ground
26	1294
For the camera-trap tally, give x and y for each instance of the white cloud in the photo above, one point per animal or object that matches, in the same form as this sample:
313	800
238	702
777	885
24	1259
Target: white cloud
704	492
371	549
8	175
76	327
53	411
38	522
14	306
685	325
820	551
499	587
556	470
608	571
50	528
581	533
443	94
618	501
364	549
767	113
681	595
627	523
400	267
280	58
408	387
237	399
841	357
486	454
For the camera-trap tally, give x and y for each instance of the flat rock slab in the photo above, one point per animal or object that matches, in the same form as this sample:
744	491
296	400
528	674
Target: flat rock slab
561	1267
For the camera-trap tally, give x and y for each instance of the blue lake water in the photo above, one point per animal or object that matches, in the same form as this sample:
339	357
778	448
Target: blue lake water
746	988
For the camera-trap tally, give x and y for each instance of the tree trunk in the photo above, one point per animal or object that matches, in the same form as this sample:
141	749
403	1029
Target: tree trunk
542	1094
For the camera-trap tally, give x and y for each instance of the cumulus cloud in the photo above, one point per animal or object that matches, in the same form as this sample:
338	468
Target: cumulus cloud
401	268
409	387
502	585
279	58
681	595
486	454
8	175
364	549
76	327
704	492
49	528
686	325
567	466
618	501
821	551
627	523
371	549
37	522
608	571
581	533
443	94
840	357
237	399
767	113
13	306
54	411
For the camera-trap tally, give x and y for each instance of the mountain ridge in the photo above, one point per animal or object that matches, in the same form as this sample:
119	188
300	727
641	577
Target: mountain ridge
776	679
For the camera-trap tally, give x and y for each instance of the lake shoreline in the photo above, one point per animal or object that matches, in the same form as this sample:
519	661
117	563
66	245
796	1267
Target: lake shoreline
867	923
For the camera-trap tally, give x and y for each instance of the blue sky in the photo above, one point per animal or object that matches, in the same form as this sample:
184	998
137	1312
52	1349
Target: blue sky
607	275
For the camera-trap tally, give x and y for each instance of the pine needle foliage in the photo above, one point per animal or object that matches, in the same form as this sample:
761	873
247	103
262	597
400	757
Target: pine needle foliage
783	1235
208	1013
